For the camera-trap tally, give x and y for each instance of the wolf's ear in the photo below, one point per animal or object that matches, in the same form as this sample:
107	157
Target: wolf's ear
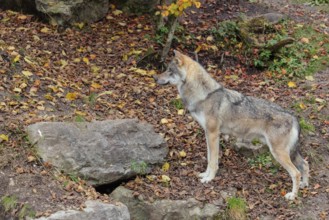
178	58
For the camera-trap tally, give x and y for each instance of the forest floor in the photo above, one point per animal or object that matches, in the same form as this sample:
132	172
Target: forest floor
92	72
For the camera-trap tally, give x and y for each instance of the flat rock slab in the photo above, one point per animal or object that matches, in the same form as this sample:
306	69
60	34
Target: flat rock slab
94	210
165	209
100	152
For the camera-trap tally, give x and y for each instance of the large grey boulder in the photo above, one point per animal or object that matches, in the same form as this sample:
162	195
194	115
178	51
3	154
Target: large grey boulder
165	209
101	152
73	10
94	210
61	11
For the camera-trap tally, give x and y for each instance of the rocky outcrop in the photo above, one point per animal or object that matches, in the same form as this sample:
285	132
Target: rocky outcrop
61	11
100	152
164	209
94	210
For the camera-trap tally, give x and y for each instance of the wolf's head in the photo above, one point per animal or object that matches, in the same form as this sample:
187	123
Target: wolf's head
175	73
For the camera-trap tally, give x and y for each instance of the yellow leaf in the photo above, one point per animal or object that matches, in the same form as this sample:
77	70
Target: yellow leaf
71	96
292	84
117	12
80	25
27	73
64	63
44	30
165	167
165	13
309	78
197	4
165	178
143	72
16	59
86	60
96	86
150	177
95	69
80	113
19	90
180	112
302	105
4	137
182	153
164	121
105	93
198	49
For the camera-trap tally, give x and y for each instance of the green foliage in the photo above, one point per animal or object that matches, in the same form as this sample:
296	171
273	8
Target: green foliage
161	35
9	202
178	103
74	177
306	55
227	32
236	203
91	99
79	118
139	167
264	160
319	2
305	126
26	211
236	209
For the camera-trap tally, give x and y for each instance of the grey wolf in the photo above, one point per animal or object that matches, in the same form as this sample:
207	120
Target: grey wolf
220	110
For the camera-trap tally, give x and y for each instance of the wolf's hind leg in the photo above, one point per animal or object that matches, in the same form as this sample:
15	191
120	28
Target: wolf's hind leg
303	167
282	156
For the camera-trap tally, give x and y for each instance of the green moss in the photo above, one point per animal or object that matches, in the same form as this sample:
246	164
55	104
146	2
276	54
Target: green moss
8	202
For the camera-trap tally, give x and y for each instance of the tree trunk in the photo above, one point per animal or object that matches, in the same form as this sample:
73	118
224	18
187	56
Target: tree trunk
173	21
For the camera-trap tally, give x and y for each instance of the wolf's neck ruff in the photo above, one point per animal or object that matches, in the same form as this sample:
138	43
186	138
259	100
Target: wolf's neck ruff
193	93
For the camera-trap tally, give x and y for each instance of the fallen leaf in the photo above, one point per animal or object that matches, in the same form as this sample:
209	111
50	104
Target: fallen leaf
31	158
180	112
117	12
44	30
305	40
182	153
164	121
316	186
165	178
71	96
302	105
96	86
165	167
86	60
309	78
292	84
319	100
27	73
4	137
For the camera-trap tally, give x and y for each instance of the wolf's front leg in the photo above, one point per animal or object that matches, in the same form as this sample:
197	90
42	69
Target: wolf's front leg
212	138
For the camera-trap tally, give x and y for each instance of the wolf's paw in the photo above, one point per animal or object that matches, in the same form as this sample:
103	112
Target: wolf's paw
303	185
204	174
206	179
290	196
